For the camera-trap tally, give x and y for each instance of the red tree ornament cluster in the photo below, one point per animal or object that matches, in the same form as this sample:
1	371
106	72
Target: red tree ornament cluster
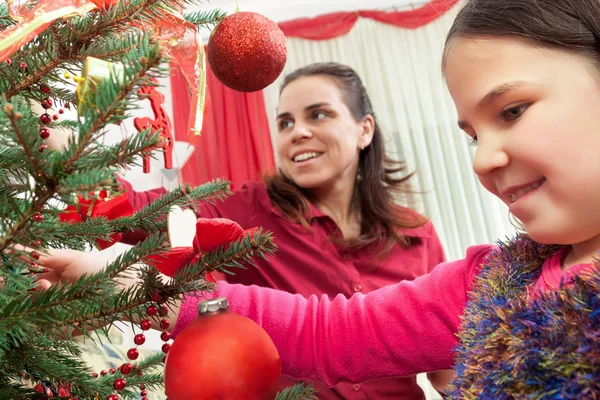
247	51
222	355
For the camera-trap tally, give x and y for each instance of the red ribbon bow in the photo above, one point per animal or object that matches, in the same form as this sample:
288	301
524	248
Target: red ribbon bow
211	233
100	205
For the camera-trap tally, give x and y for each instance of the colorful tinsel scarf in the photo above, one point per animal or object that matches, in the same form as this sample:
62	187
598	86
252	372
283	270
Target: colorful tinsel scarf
517	346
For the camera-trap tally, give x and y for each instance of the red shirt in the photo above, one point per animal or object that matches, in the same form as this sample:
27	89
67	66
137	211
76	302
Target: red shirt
310	263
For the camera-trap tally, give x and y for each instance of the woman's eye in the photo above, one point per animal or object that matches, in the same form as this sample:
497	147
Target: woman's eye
285	124
514	113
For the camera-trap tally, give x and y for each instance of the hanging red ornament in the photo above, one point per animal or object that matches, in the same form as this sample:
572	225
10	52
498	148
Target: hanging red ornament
61	111
161	123
164	323
37	217
45	118
139	339
246	51
165	348
237	349
119	384
165	336
146	324
126	369
35	255
103	372
46	103
55	117
44	133
151	310
133	354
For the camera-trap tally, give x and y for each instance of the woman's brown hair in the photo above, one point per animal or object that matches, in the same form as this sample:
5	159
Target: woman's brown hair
377	184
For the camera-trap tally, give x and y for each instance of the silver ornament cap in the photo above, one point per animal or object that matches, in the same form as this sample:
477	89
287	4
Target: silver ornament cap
214	305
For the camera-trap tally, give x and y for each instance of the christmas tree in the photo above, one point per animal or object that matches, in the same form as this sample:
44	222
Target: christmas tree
99	57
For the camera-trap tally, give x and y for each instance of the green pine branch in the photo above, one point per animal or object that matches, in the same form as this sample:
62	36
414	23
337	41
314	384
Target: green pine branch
299	391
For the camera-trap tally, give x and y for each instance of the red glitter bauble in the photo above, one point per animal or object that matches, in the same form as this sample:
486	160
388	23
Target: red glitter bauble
246	51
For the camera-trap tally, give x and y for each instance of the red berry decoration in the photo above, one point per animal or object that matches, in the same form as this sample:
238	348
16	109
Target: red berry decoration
164	323
139	339
45	89
43	148
246	51
103	372
8	61
236	346
61	111
23	66
146	324
37	217
35	255
46	103
44	133
133	354
165	348
55	117
112	397
111	371
95	374
119	384
143	393
45	118
165	336
152	310
126	369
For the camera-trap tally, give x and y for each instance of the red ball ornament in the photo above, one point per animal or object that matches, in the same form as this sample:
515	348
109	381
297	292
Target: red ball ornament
133	354
45	118
112	397
237	349
37	217
139	339
103	372
112	370
45	89
165	348
46	103
126	369
43	148
246	51
146	324
35	255
164	323
165	336
151	310
119	384
44	133
143	393
55	117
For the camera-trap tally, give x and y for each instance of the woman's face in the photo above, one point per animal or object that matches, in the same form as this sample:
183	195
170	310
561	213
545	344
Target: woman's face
318	140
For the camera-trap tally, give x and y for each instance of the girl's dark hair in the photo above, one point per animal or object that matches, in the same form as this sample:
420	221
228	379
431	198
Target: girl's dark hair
377	183
572	25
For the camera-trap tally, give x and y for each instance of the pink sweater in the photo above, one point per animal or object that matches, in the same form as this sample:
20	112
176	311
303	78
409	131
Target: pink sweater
398	330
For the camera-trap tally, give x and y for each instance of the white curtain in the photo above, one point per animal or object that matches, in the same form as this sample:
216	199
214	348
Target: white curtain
401	70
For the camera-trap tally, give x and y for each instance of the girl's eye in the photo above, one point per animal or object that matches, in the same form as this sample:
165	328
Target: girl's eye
514	113
319	115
